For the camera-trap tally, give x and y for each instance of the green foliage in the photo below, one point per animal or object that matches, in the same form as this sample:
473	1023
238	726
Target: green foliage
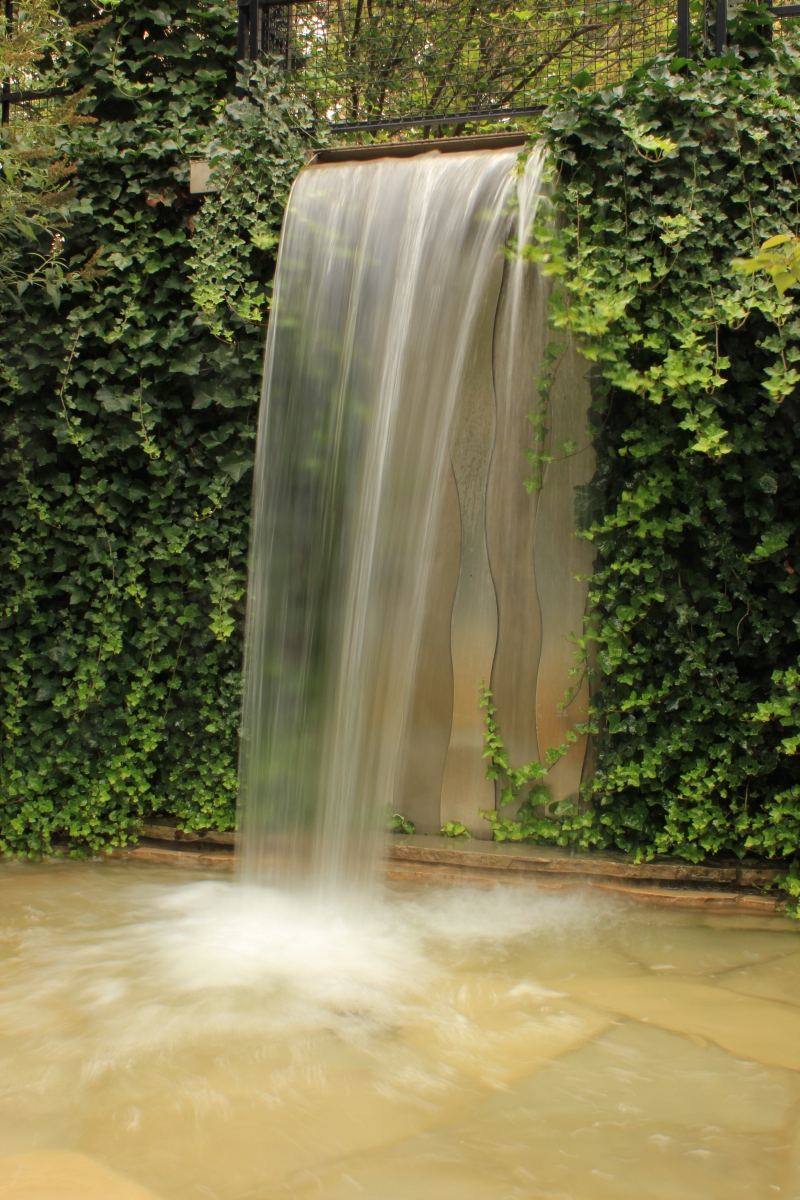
790	886
255	153
397	824
429	57
537	818
35	180
782	265
454	829
693	606
35	192
33	42
128	429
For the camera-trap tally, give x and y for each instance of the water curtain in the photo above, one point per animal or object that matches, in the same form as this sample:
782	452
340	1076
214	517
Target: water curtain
386	290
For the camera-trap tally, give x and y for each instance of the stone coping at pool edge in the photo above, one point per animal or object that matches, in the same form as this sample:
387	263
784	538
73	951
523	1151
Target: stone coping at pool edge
723	886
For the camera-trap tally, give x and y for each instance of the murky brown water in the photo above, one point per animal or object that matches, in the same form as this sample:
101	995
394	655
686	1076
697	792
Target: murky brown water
164	1035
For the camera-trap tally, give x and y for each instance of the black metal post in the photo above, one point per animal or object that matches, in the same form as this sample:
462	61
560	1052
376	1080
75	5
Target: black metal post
241	41
255	40
721	29
5	106
683	28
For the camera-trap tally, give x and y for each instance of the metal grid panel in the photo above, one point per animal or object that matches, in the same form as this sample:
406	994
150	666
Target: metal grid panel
17	110
377	61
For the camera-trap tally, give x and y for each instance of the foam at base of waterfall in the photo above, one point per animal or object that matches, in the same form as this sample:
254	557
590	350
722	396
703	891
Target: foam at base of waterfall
212	958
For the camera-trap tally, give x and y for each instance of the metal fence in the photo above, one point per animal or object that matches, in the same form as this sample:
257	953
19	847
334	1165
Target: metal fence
383	63
21	104
18	106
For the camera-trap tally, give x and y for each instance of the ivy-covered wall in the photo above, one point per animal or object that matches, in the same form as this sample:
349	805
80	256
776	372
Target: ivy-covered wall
128	414
694	603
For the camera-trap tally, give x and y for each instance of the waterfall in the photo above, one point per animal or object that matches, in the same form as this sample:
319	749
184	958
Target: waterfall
383	276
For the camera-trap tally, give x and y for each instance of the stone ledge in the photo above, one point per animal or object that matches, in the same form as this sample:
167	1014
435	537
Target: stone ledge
723	888
166	829
183	854
693	898
509	858
399	869
518	857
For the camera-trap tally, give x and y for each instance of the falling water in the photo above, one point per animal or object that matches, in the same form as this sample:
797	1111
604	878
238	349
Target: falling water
383	271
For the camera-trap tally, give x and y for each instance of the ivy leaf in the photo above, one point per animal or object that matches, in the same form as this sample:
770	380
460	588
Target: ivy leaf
112	401
582	79
639	133
773	541
264	237
236	463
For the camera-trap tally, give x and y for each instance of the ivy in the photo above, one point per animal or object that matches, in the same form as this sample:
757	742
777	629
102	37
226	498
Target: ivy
396	823
664	180
128	418
538	818
454	829
255	152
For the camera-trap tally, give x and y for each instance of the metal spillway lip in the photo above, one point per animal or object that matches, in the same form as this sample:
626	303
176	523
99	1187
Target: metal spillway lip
483	141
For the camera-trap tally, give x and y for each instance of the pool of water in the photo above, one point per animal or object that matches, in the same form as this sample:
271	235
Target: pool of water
166	1035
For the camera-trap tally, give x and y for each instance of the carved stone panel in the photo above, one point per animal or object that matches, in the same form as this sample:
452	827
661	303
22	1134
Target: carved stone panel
473	629
508	589
418	787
